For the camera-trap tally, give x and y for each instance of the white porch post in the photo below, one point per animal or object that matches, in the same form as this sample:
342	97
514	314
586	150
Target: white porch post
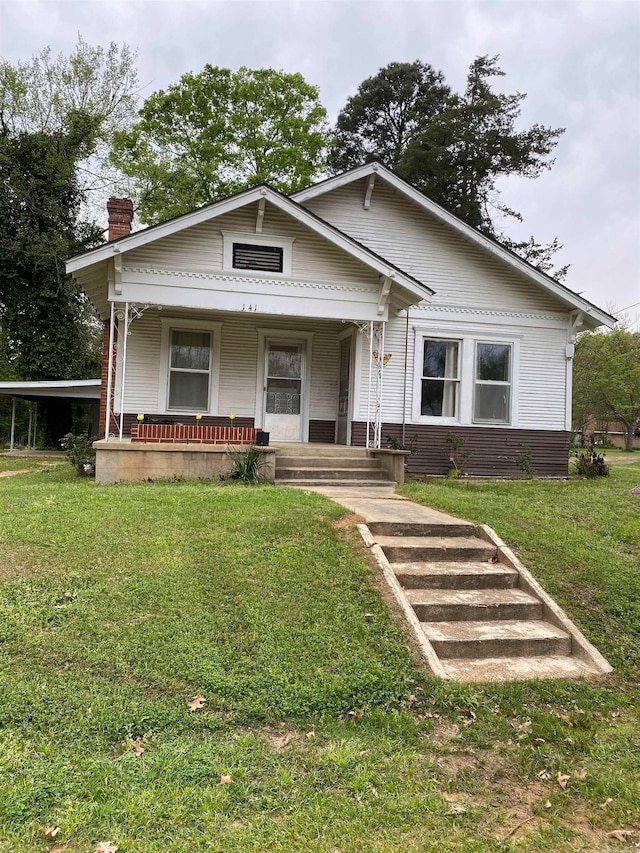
12	439
370	381
109	410
379	387
29	427
35	423
124	366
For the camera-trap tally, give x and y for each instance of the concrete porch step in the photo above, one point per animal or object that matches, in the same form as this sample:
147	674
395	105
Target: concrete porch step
402	549
341	461
499	639
394	528
297	449
517	668
471	605
332	473
355	484
455	575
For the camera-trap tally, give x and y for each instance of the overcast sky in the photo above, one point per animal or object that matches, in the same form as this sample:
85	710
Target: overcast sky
577	60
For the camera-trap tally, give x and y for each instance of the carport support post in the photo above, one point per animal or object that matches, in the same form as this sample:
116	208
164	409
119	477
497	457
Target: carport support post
29	428
12	439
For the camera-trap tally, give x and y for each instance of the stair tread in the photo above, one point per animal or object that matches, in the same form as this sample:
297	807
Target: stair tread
436	542
361	484
484	597
506	629
427	567
516	668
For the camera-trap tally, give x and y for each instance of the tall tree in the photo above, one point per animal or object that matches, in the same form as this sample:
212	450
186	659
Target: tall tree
453	147
607	379
38	96
217	132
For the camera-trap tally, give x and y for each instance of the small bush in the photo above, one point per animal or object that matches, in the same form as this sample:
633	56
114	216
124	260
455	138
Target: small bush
247	465
590	463
80	453
524	460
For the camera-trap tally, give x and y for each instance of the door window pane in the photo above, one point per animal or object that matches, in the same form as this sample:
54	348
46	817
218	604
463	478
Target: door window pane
284	361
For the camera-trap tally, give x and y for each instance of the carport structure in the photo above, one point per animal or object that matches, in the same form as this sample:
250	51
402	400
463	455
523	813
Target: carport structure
63	390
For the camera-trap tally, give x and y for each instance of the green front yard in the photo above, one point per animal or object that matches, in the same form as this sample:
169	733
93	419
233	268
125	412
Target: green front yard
120	605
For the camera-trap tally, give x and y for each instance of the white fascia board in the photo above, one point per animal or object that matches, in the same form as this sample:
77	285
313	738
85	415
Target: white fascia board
343	241
595	314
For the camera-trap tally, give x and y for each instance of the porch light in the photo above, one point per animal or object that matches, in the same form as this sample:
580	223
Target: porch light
140	417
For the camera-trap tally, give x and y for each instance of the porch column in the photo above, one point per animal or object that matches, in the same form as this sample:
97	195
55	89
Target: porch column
12	439
377	361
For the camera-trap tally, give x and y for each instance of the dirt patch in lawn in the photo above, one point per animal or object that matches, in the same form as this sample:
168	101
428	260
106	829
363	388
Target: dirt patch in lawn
14	473
350	520
281	739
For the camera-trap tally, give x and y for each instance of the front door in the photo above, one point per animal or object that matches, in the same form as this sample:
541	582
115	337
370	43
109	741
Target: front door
284	373
342	430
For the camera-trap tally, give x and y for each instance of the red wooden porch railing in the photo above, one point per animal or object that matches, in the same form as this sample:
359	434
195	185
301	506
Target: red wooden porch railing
192	434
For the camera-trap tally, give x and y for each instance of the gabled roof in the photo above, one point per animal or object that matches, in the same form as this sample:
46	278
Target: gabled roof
496	249
416	289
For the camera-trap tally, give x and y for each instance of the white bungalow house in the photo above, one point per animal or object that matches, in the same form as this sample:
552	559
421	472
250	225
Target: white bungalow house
356	311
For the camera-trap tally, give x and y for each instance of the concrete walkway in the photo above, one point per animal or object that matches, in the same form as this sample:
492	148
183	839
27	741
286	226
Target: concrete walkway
476	612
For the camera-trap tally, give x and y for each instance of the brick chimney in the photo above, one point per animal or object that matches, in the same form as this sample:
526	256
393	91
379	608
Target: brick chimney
120	212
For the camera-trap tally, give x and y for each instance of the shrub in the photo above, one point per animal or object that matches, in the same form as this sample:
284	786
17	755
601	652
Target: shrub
80	453
524	460
247	465
590	463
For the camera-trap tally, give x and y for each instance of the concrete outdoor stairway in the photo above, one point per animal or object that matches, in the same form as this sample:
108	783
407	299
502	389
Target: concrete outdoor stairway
483	618
307	465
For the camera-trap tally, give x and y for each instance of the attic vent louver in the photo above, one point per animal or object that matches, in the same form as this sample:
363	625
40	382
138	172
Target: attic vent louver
255	257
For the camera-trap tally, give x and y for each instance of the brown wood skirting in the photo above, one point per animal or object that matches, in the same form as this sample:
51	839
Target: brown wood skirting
492	452
323	432
130	419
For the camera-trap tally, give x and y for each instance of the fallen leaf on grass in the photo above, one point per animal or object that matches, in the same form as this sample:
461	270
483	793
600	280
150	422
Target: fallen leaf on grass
580	774
562	780
226	780
565	719
457	809
547	805
619	834
310	734
606	802
106	847
138	749
50	832
197	703
544	775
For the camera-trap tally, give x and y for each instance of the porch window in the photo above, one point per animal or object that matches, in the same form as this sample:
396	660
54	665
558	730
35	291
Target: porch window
492	391
440	378
189	370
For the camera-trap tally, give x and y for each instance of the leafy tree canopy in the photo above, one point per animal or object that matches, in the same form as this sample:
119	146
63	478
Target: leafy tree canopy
41	95
46	322
453	147
606	382
220	131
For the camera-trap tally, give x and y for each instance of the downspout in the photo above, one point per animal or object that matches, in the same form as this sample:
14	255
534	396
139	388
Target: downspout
404	384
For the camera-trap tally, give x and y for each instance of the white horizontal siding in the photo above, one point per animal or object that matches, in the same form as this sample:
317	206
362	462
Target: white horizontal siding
416	241
238	362
541	375
199	248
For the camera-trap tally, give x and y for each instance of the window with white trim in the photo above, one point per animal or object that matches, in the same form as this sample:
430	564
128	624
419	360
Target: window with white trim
492	383
189	370
440	388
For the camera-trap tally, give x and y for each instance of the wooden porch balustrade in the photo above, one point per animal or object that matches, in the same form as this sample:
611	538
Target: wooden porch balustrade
192	434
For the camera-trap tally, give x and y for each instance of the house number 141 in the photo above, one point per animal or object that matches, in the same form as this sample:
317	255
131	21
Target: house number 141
249	307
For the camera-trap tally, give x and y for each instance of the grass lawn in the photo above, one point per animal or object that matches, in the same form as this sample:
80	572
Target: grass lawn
120	604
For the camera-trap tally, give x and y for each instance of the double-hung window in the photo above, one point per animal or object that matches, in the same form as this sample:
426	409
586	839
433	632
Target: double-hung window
189	369
493	381
440	378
